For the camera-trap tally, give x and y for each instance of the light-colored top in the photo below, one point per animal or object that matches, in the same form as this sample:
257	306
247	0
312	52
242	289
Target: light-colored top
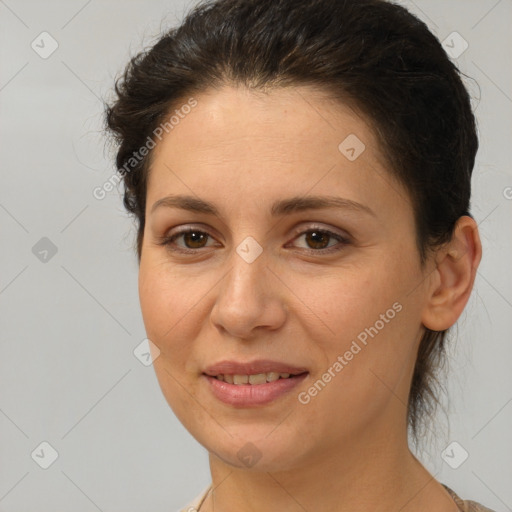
466	505
194	505
463	505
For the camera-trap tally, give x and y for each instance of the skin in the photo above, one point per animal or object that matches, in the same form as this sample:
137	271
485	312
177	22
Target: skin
345	450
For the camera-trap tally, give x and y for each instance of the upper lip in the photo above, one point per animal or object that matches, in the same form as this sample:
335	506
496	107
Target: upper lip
252	368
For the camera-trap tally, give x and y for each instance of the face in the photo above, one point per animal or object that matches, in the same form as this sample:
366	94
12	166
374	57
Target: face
299	251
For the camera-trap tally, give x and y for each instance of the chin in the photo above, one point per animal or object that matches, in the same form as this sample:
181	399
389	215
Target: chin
252	449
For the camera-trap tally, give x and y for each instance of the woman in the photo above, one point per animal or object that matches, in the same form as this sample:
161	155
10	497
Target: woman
300	172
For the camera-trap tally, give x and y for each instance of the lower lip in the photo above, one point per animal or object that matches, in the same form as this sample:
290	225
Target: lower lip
246	395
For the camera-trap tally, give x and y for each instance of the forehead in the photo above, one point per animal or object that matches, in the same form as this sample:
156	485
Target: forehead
235	139
294	122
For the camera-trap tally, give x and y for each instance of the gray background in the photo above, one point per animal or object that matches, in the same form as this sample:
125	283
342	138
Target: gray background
69	325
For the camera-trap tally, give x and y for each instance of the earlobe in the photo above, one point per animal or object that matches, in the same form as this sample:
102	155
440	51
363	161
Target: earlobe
457	263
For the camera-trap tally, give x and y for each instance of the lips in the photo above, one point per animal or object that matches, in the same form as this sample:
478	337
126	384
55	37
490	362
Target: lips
252	368
253	383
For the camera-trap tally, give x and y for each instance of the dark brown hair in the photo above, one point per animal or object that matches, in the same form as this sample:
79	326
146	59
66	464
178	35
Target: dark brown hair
371	54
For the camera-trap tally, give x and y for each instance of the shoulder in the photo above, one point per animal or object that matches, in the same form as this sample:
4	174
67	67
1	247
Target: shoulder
193	506
466	505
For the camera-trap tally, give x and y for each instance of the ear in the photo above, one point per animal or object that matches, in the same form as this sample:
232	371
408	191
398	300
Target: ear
454	275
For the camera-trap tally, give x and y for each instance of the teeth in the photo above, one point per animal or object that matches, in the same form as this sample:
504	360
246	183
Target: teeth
240	379
259	378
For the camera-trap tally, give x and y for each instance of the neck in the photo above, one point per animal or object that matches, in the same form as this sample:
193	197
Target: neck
372	472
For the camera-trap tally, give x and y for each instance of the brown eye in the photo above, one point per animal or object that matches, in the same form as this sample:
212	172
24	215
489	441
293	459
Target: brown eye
192	240
322	241
317	239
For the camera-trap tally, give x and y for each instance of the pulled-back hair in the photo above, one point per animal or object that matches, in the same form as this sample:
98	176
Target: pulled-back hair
370	54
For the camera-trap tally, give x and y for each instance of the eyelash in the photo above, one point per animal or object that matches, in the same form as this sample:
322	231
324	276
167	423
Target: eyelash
168	241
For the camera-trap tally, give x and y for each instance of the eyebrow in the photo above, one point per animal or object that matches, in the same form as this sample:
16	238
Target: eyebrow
279	208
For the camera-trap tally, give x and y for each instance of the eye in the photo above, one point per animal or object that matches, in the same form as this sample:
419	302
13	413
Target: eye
192	238
322	240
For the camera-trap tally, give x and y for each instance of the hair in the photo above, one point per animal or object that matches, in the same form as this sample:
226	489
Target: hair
373	55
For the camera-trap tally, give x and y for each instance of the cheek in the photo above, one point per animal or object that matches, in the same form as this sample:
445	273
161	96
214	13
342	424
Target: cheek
345	301
167	301
167	311
367	317
364	365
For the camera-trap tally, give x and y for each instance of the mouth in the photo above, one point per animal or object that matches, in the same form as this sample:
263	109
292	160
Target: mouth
252	384
255	379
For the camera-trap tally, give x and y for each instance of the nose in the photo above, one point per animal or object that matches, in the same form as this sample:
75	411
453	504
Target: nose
250	298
